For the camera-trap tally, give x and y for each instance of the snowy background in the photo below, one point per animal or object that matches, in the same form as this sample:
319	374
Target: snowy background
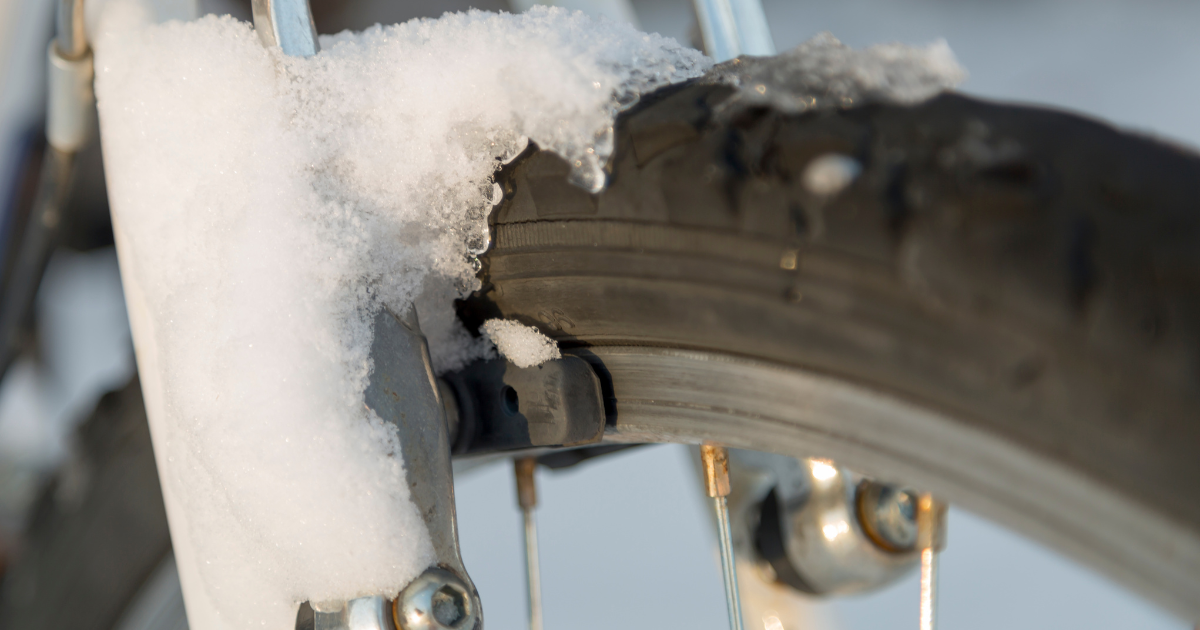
625	541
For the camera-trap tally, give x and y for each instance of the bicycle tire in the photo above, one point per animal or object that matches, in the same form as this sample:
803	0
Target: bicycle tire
1018	288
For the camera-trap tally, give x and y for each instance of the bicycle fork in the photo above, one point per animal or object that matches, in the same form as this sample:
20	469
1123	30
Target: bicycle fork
403	392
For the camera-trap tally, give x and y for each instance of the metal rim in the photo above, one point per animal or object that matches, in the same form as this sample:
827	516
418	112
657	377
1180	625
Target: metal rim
681	396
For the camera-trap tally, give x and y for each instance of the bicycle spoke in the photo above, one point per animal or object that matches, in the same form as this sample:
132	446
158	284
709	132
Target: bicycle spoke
716	481
930	540
527	499
928	589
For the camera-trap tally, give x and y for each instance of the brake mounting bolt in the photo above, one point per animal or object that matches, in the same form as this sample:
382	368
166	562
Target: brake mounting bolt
436	600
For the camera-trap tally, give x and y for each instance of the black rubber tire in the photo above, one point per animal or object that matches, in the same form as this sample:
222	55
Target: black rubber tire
1031	273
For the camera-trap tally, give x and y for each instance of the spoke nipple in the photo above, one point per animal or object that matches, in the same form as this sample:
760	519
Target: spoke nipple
524	468
716	469
931	522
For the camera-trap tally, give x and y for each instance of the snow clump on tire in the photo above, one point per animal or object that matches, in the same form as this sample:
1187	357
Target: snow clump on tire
525	346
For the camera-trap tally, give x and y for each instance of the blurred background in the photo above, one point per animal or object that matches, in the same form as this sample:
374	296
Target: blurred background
627	540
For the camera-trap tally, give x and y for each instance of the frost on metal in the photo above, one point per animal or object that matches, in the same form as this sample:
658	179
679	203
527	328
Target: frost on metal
525	346
824	73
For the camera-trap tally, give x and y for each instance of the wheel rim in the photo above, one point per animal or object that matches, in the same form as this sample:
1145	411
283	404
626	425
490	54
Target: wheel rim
670	395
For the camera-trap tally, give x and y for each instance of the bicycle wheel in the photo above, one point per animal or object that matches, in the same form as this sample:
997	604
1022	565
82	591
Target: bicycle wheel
1001	306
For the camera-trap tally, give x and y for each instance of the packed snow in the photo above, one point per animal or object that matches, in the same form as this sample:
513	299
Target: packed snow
266	208
525	346
830	173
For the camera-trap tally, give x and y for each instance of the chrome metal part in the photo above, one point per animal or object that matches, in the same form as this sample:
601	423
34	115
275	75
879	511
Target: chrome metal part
286	24
752	28
715	461
733	600
931	526
672	395
927	618
70	126
810	535
437	600
403	392
730	28
70	102
502	407
718	29
525	469
764	600
71	29
363	613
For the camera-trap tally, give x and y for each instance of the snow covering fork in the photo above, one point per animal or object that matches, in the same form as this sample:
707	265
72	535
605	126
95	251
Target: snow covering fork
403	391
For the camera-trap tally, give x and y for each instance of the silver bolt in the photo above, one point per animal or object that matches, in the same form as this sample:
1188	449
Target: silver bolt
436	600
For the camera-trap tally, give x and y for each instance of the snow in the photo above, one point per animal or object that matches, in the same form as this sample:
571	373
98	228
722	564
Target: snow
525	346
265	208
824	73
830	173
